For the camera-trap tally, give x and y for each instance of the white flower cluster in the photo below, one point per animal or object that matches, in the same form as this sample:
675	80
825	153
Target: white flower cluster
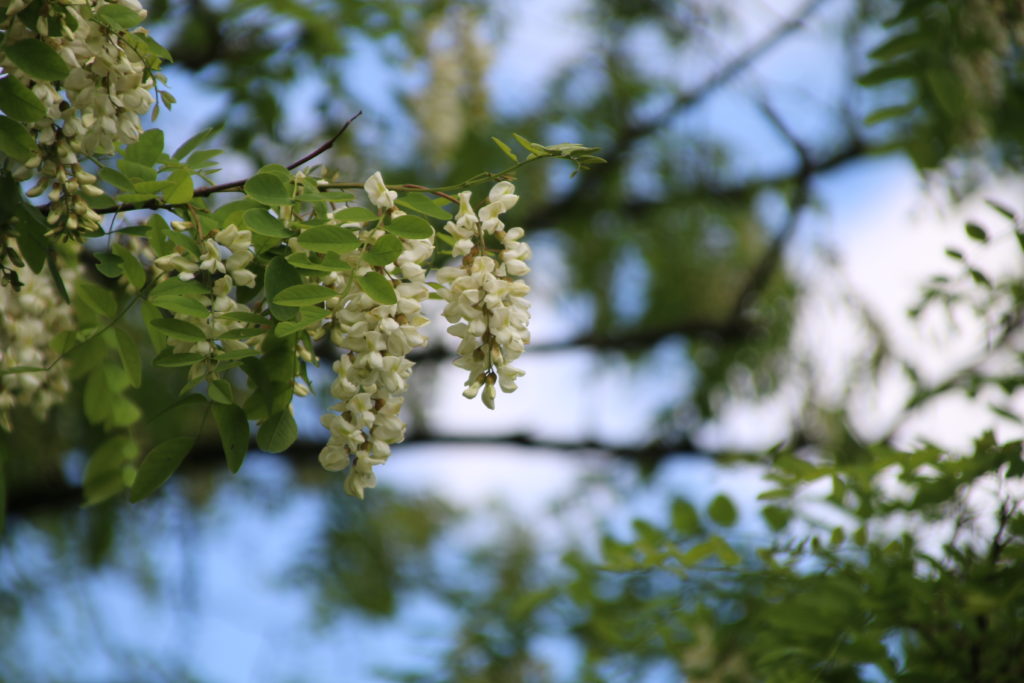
485	295
92	111
226	272
31	318
372	373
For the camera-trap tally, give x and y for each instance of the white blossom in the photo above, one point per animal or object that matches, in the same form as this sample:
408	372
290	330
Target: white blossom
31	318
486	300
96	108
373	370
224	256
378	192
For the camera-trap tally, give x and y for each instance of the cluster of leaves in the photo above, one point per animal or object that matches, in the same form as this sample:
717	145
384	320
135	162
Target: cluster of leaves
962	64
169	276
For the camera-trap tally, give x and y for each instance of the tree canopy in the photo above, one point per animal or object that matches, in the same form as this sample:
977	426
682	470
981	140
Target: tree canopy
227	224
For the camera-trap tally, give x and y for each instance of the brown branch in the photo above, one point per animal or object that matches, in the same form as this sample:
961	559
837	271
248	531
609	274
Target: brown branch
207	190
852	149
57	492
324	147
629	135
764	269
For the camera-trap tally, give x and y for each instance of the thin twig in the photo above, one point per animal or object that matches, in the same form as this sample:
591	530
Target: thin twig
326	146
630	135
207	190
764	269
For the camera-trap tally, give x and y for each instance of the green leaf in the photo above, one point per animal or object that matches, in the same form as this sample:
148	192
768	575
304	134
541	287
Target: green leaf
722	511
898	45
262	223
3	494
168	359
280	275
234	433
158	466
268	189
150	188
180	304
136	172
303	295
976	232
329	264
506	149
129	352
378	288
118	17
531	147
726	554
277	170
32	240
410	227
355	214
108	265
887	113
150	313
277	433
100	299
684	517
123	412
325	239
244	317
133	270
104	473
178	287
96	396
15	141
178	329
38	60
1002	208
147	150
181	189
18	102
220	390
776	517
386	250
421	204
307	317
889	72
194	142
116	178
237	354
242	333
147	45
326	196
203	159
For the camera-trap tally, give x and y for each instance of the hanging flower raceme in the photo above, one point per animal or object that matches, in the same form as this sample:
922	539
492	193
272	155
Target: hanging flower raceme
223	259
485	295
87	99
374	339
31	318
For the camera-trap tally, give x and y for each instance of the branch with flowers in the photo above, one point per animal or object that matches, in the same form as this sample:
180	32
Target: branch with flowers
237	295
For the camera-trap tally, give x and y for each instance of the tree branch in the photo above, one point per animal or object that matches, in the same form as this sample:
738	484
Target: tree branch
207	190
629	135
762	273
57	492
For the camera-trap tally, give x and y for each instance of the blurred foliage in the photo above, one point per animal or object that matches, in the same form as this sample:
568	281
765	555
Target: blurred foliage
962	62
868	561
